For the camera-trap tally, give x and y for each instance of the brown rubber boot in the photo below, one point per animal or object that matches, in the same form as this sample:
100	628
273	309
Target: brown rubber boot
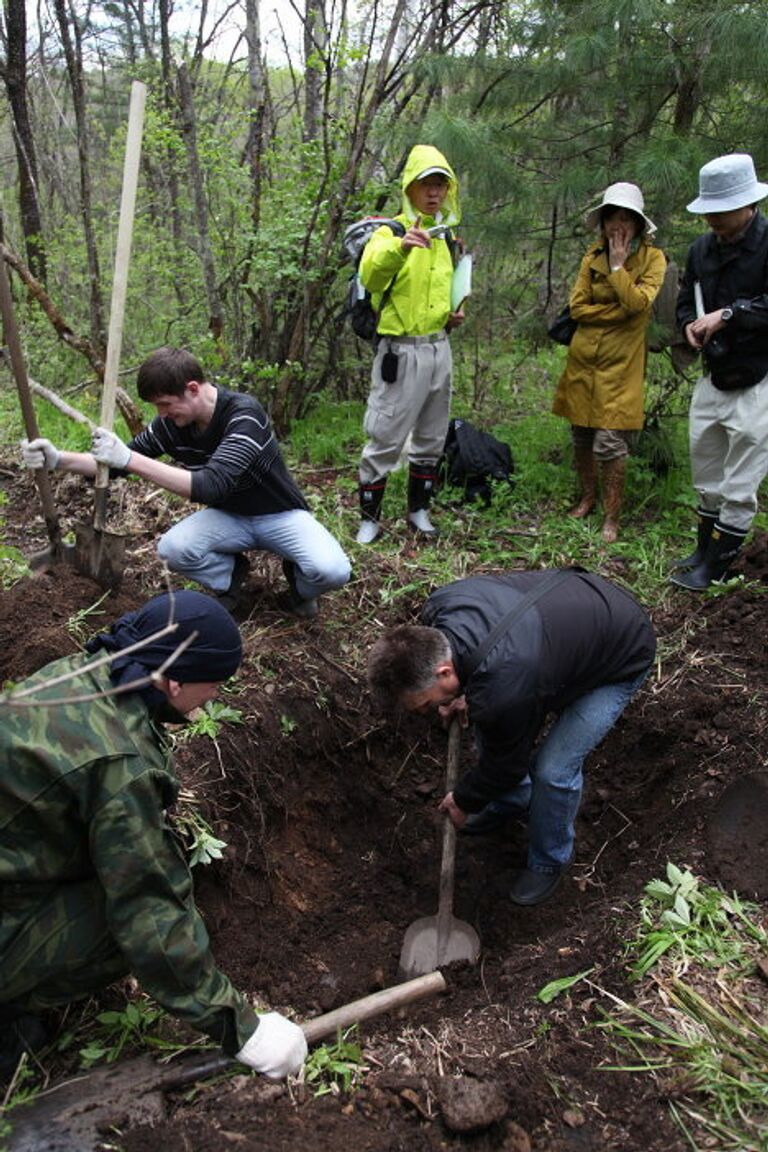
614	472
584	461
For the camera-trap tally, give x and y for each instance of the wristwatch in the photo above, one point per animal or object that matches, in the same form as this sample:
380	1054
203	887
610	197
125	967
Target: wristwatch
726	315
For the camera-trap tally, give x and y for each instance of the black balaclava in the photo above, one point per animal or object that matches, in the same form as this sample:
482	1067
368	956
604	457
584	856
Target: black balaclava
214	655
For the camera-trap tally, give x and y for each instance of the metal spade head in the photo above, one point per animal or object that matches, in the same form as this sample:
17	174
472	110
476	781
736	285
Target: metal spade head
425	948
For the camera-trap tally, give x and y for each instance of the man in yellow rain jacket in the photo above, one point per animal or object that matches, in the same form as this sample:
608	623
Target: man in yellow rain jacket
409	278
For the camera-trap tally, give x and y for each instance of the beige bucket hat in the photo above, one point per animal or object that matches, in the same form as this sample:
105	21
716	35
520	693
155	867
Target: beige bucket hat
621	195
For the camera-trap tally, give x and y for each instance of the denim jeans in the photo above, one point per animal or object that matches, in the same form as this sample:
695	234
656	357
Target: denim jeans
203	547
550	794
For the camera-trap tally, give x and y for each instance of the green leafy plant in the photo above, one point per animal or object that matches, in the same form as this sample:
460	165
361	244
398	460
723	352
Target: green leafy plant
696	921
555	988
203	846
335	1068
117	1030
210	719
704	1037
287	725
80	624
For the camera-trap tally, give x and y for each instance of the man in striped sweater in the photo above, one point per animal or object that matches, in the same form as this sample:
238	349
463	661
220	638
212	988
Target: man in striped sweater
232	464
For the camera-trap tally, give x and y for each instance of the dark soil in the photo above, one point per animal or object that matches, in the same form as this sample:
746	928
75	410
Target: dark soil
334	846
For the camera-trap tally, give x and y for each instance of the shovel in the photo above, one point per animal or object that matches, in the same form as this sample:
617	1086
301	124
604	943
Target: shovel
58	550
441	939
79	1116
100	553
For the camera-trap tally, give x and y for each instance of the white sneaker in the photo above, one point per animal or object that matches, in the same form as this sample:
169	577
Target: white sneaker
421	522
368	531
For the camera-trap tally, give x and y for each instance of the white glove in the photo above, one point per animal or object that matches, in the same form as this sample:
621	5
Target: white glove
40	454
107	448
277	1048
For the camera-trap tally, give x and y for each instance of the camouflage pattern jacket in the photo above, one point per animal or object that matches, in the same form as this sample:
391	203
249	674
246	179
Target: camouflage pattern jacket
84	789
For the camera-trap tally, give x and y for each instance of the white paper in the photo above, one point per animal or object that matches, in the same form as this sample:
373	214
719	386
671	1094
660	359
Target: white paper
461	285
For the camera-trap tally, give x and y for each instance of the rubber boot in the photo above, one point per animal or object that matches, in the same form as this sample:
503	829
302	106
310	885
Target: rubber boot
422	482
614	472
723	548
371	496
584	462
706	523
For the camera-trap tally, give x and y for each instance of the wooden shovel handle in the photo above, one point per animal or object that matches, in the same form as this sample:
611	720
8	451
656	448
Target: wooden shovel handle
327	1025
25	400
447	864
120	279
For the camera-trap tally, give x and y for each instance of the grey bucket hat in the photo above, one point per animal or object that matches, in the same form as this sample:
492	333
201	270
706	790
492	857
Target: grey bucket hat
621	195
727	183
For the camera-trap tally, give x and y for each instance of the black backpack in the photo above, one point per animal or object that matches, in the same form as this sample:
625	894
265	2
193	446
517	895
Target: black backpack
472	459
359	307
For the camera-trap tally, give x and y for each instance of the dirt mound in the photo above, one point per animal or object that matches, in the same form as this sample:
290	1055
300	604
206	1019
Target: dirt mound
334	844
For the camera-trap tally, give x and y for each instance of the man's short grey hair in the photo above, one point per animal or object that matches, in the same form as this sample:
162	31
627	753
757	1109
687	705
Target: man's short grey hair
403	661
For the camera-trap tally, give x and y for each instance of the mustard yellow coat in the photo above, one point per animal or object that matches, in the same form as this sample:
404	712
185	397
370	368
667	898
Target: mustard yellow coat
603	382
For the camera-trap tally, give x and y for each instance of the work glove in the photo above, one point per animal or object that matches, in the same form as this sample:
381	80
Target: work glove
277	1048
40	454
107	448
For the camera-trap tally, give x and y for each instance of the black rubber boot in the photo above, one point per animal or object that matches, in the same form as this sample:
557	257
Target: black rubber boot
723	548
704	528
422	484
371	496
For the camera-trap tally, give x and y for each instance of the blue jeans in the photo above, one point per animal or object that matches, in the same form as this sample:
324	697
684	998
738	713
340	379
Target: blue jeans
550	794
203	547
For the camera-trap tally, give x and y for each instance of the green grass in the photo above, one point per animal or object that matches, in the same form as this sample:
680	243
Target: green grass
697	1019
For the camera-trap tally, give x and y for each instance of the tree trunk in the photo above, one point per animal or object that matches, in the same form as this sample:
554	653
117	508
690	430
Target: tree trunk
15	77
315	48
205	251
74	60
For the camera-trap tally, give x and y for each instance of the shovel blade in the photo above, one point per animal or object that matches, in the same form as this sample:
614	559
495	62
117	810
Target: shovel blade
75	1117
59	553
99	555
423	952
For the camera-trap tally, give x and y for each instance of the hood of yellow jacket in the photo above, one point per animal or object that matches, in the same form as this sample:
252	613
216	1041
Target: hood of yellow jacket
421	158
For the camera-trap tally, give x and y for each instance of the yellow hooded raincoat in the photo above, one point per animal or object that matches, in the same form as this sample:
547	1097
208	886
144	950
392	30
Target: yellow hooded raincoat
419	302
603	382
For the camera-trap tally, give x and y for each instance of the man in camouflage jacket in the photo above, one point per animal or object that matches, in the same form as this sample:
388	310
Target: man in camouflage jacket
94	883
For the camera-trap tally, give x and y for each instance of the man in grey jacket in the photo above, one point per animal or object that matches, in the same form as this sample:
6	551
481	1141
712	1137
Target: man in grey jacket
579	653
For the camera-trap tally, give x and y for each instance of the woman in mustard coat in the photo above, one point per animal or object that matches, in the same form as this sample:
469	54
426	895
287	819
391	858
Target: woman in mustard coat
601	390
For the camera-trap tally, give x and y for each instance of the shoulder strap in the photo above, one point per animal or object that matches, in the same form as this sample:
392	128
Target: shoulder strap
476	658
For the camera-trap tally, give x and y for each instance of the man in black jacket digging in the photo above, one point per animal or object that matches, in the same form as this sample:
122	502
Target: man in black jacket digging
508	652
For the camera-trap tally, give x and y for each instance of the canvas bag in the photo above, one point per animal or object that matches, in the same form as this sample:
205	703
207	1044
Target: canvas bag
359	307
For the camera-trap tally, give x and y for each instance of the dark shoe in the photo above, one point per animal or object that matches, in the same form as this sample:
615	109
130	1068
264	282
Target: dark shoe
229	598
484	823
290	601
534	887
25	1034
706	523
723	548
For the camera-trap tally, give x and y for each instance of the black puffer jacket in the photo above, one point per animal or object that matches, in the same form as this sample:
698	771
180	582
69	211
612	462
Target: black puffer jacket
582	634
